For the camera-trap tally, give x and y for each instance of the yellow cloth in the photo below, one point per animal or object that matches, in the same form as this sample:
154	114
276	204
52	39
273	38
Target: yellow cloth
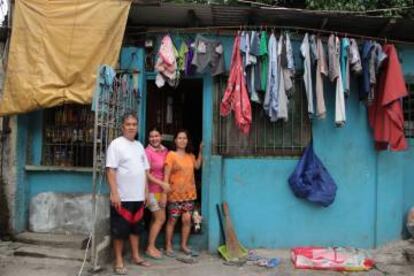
56	48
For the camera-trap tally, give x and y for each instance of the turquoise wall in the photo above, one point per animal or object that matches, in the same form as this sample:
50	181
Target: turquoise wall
374	189
407	158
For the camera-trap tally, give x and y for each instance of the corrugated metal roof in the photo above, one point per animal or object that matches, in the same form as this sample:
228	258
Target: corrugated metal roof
169	15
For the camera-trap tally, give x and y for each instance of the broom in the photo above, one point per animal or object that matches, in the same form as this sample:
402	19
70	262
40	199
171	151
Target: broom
235	251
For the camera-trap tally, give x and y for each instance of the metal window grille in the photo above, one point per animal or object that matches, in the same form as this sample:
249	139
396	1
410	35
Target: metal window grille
68	136
265	138
408	107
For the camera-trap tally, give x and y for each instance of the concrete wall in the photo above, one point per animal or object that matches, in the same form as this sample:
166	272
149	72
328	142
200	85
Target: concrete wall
9	175
374	189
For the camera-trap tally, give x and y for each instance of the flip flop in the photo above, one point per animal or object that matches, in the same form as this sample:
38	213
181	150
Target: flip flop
192	253
273	262
252	256
235	262
142	263
120	270
170	254
187	260
153	257
269	263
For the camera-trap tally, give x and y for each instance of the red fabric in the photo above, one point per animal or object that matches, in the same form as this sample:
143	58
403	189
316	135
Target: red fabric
235	97
128	216
386	114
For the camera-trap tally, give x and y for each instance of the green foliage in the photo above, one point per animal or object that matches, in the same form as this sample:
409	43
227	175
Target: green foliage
362	5
222	2
334	5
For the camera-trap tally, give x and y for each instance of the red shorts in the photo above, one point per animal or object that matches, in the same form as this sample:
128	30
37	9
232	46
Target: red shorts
176	209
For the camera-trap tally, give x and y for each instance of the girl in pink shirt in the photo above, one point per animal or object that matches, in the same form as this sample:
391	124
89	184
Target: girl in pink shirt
156	154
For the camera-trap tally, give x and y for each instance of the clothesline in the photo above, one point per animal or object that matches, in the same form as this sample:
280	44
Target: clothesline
235	28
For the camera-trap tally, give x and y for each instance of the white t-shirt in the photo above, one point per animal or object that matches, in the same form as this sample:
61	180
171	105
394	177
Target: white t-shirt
130	161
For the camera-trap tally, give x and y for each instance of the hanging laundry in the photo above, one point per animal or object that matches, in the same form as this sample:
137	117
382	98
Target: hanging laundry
208	53
307	74
335	76
245	48
312	48
263	60
321	72
255	71
288	66
375	61
333	58
181	56
386	113
270	104
135	84
189	68
246	57
354	57
104	82
282	99
289	53
379	55
345	44
250	49
235	96
365	88
287	73
174	82
166	64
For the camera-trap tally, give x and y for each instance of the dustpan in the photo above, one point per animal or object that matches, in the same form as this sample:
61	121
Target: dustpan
222	249
233	250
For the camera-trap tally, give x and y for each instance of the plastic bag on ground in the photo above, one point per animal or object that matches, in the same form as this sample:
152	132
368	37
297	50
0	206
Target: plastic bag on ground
331	258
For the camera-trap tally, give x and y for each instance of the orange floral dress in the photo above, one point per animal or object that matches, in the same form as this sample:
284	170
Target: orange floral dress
181	179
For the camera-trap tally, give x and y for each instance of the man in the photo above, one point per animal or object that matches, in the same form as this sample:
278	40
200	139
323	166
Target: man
127	166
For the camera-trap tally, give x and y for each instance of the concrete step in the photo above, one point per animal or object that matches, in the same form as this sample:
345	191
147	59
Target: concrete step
40	251
55	240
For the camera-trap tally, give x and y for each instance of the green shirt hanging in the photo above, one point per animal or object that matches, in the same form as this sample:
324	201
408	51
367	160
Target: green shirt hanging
264	60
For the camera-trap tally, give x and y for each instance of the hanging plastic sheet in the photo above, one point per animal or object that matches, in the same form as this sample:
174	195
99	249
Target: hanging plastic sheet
56	48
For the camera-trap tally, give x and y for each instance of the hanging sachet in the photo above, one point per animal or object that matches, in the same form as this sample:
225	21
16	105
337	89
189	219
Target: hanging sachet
310	179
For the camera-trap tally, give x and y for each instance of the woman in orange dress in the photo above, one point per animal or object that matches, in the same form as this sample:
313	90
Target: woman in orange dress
179	172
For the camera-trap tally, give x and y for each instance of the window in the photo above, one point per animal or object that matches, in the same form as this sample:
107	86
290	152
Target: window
265	138
408	107
68	132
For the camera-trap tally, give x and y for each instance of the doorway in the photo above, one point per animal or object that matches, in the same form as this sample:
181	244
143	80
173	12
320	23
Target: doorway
171	109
